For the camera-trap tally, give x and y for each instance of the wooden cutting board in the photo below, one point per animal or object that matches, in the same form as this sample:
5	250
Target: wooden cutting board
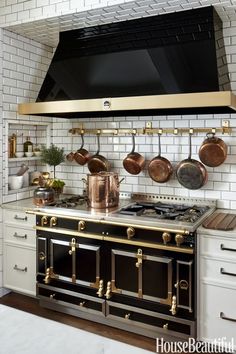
220	221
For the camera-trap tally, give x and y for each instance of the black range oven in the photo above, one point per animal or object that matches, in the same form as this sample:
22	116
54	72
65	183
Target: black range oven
136	277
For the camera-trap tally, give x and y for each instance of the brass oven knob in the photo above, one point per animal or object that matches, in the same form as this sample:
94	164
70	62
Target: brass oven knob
179	239
130	232
53	221
166	237
44	220
81	225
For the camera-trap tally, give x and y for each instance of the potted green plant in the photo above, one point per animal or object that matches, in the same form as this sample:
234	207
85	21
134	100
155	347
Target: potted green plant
53	156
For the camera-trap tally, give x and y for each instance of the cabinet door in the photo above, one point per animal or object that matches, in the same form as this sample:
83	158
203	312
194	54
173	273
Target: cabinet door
141	275
76	262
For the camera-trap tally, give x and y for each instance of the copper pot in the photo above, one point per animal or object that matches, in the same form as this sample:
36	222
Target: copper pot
213	151
97	162
44	196
134	162
103	189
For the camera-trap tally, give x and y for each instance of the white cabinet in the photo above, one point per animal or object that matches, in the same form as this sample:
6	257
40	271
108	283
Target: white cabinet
19	251
216	285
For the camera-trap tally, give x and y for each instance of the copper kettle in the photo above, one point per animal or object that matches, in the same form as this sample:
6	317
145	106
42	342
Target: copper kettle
103	189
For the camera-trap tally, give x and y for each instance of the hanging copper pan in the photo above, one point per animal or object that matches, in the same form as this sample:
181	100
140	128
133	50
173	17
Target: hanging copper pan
159	168
134	162
98	163
213	151
191	173
82	156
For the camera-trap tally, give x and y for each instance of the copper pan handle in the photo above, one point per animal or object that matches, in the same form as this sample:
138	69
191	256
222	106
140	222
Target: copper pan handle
122	179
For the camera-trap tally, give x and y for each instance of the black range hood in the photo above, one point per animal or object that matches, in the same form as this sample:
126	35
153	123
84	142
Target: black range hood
167	64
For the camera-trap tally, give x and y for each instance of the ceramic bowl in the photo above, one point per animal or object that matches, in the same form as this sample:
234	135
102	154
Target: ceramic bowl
37	153
28	154
19	154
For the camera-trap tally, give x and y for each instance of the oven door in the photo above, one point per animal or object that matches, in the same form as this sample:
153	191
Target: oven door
75	261
143	274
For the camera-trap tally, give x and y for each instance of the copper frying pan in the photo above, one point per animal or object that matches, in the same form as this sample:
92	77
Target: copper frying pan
98	163
81	156
191	173
159	168
213	151
134	162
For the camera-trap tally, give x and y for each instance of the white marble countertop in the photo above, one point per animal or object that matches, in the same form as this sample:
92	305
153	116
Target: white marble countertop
23	204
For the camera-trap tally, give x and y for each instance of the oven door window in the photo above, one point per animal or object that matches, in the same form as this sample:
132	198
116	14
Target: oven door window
142	275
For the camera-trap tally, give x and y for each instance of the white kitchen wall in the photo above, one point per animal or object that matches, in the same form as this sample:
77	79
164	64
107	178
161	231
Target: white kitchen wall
24	62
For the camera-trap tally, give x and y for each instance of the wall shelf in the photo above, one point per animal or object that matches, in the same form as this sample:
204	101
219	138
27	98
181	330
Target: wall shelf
19	159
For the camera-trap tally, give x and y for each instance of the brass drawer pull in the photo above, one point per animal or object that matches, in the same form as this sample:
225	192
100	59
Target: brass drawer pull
52	296
226	248
20	269
227	318
20	218
165	326
222	271
82	303
20	236
127	316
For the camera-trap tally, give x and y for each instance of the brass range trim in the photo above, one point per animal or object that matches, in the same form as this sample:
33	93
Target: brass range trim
69	232
149	102
150	245
145	227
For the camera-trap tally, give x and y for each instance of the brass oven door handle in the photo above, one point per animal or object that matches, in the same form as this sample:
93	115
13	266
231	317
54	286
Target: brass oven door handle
226	248
222	271
19	236
20	269
223	317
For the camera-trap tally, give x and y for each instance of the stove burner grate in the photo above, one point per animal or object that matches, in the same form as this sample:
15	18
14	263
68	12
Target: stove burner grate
70	202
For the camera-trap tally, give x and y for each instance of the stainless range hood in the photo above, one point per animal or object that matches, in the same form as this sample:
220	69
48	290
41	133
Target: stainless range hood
161	65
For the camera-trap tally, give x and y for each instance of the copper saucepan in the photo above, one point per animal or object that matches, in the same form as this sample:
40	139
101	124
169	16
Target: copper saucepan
159	168
82	156
213	151
134	162
191	173
98	163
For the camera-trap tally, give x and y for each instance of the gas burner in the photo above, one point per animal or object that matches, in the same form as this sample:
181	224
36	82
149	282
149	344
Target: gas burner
71	202
176	212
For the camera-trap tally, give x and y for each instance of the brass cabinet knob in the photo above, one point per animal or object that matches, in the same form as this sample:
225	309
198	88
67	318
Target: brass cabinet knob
82	303
52	296
81	225
53	221
179	239
166	237
42	256
130	232
127	316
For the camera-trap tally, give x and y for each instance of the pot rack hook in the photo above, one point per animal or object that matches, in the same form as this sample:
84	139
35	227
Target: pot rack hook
176	131
191	131
160	131
213	130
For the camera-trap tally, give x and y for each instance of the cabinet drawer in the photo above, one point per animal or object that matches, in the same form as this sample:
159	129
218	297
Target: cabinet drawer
20	236
218	247
19	271
148	319
18	217
216	303
219	271
79	301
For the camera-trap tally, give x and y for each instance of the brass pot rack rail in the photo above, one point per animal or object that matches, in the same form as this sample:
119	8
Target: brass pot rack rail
148	130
